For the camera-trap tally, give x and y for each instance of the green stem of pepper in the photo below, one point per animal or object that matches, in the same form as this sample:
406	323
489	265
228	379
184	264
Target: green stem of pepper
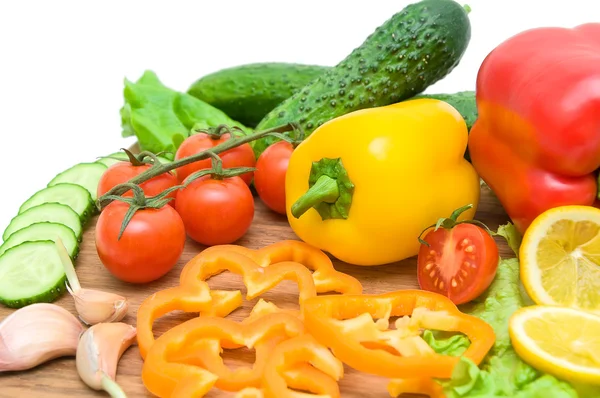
324	190
330	191
159	168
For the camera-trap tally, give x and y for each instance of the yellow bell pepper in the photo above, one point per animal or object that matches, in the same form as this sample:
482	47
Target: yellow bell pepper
365	185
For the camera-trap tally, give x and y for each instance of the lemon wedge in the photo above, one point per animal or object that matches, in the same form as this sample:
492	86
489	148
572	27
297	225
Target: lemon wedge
561	341
560	258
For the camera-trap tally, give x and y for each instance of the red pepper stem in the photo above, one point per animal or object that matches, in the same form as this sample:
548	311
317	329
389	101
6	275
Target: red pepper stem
324	190
158	169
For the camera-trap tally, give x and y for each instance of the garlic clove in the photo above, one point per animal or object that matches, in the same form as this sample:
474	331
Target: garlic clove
98	353
96	306
36	334
93	306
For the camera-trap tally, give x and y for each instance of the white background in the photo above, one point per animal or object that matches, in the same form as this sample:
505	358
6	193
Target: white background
62	63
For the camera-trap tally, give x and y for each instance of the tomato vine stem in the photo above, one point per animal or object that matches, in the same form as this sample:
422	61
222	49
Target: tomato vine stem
160	168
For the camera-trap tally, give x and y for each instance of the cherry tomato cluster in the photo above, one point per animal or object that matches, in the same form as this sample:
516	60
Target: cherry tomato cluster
211	209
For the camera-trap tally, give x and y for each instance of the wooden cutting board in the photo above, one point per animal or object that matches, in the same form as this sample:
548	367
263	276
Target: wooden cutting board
59	378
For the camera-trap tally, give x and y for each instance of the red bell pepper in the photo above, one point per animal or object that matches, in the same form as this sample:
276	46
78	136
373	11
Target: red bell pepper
536	142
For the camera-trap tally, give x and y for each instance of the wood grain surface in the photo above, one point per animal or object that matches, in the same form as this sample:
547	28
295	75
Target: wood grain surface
59	378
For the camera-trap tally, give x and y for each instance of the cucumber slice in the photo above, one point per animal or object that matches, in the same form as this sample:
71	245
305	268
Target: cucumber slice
31	273
72	195
44	231
109	161
50	212
86	175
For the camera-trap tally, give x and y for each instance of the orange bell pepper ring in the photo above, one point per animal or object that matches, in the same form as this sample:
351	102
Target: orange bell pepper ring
429	387
326	278
185	297
300	363
261	270
303	364
356	328
163	376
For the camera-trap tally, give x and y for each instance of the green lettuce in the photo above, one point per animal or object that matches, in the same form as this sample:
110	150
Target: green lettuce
512	236
502	373
161	118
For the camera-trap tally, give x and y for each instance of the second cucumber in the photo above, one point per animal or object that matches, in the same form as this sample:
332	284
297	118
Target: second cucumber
248	92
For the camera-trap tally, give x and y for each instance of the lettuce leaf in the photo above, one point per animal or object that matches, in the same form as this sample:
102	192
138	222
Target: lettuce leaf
502	373
161	118
512	236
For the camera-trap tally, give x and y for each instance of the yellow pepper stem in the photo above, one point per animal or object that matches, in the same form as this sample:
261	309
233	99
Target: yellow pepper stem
324	190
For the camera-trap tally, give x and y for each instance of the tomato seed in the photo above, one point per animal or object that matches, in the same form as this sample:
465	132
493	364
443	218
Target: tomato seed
454	284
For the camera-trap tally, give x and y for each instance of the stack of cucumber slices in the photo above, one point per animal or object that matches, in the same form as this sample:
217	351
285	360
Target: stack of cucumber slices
30	268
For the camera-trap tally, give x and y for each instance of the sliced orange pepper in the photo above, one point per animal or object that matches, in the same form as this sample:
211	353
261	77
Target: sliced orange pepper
257	280
261	270
164	377
356	326
429	387
326	278
249	392
190	298
301	363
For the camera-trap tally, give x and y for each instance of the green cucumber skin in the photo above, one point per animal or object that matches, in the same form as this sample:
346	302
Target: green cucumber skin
46	297
25	215
412	50
75	174
90	210
73	255
246	93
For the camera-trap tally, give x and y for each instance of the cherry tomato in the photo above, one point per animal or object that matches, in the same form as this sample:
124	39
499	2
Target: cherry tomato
459	263
216	212
149	247
122	172
269	177
240	156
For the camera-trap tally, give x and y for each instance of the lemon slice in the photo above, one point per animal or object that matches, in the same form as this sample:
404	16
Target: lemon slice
561	341
560	258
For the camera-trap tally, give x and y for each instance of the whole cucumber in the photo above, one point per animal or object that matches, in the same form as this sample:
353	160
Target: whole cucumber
412	50
248	92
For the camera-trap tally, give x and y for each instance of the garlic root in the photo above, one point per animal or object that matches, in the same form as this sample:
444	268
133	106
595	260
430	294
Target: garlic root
93	306
98	353
36	334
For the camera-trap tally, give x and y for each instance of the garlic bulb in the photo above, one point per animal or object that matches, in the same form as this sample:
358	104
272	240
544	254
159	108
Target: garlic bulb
93	306
36	334
98	354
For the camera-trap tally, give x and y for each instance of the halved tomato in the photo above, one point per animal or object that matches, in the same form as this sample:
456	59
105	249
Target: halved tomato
458	259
